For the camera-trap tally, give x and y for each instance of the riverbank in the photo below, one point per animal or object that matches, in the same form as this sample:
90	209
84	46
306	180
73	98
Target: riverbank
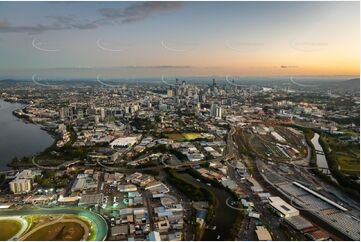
26	162
224	216
19	137
349	185
336	179
221	217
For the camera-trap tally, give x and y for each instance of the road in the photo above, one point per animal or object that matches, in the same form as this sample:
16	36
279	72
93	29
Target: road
65	164
231	152
147	195
101	226
21	221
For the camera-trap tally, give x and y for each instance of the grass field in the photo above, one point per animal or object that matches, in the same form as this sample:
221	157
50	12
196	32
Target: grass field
8	228
59	231
183	136
348	164
191	136
346	156
175	136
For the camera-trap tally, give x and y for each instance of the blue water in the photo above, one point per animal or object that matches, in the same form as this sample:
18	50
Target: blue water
17	138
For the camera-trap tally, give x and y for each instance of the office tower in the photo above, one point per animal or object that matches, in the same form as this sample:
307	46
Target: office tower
20	186
170	92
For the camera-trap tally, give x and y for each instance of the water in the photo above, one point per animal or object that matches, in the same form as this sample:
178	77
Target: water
17	138
320	159
224	215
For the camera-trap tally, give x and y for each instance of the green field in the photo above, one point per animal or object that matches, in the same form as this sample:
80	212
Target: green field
348	164
8	228
347	156
59	231
183	136
191	136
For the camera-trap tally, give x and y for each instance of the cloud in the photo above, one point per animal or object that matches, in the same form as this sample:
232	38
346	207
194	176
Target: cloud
133	13
72	21
6	27
59	23
162	67
139	11
125	67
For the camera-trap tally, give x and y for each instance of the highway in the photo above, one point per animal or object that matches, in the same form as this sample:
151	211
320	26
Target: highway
230	150
65	164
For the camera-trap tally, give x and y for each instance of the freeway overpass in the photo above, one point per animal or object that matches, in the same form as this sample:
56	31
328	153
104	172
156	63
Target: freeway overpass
65	164
231	151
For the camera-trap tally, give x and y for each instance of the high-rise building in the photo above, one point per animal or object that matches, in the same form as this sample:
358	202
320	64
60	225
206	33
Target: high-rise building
102	114
79	113
213	109
96	119
18	186
219	112
170	92
61	114
163	107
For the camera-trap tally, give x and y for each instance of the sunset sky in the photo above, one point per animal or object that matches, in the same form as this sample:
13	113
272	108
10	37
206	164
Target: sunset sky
147	39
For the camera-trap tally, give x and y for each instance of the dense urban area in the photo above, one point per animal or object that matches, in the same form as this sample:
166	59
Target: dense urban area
215	159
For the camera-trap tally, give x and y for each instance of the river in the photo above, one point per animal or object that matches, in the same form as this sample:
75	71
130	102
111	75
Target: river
320	159
224	215
17	138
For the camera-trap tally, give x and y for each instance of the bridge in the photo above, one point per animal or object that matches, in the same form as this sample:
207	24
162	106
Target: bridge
65	164
319	152
230	150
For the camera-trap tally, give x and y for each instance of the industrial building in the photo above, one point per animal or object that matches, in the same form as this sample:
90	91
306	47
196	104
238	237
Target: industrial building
263	234
282	208
124	142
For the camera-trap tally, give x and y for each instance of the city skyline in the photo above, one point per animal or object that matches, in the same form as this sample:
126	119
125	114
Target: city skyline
180	121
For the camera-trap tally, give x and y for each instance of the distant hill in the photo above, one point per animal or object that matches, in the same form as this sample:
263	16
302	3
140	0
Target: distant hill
11	81
352	83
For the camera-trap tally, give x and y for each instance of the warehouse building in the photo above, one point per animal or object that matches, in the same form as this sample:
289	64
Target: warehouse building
263	234
282	208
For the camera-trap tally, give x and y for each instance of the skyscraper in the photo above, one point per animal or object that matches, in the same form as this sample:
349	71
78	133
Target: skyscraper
170	92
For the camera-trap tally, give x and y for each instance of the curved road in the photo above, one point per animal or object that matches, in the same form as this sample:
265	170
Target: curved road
23	222
82	224
65	164
101	226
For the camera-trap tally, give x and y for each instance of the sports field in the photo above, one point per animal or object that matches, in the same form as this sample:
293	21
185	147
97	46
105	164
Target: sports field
56	224
8	228
57	231
183	136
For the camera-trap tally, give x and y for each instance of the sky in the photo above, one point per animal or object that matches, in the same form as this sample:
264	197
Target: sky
150	39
